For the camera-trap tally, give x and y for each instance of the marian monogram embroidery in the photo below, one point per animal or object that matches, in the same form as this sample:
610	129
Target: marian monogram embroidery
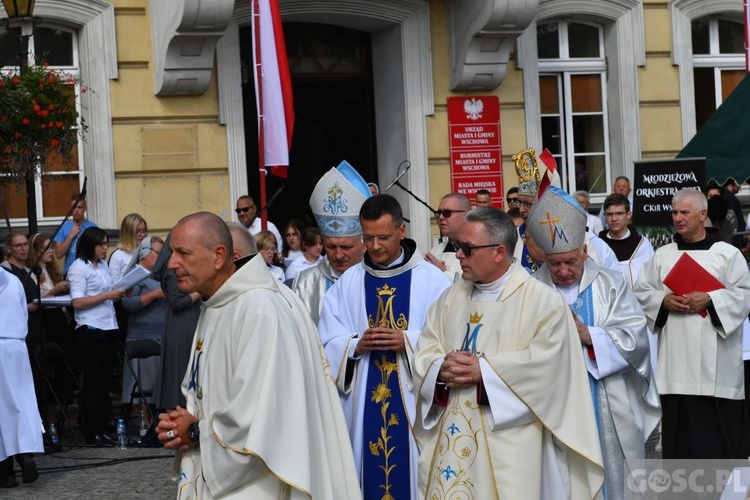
472	332
335	202
385	315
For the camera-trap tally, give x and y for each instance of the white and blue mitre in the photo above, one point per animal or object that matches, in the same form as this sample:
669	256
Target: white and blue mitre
527	170
336	200
557	222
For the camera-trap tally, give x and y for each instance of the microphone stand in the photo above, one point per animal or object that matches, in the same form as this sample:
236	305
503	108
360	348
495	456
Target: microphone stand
36	270
396	182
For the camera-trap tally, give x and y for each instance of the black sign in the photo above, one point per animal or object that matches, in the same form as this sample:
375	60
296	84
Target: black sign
656	182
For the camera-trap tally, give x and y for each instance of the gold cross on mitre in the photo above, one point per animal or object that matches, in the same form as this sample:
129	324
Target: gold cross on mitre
550	221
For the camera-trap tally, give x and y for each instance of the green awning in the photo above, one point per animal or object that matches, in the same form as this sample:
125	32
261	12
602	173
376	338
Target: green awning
725	138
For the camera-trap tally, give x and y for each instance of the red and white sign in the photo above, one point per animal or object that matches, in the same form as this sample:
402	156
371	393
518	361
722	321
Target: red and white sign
475	146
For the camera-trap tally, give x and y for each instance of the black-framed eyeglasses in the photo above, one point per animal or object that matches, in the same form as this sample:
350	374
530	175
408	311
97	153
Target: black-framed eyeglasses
513	201
469	249
447	213
242	210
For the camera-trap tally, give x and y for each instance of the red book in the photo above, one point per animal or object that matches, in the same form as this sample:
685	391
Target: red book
688	276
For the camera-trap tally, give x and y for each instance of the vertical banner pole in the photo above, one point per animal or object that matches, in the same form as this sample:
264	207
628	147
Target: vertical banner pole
261	118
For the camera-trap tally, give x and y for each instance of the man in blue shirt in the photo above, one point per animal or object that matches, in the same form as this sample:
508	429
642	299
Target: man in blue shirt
66	241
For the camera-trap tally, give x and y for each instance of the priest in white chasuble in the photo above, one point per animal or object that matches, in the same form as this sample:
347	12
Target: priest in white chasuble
263	419
502	399
369	326
335	203
612	334
701	375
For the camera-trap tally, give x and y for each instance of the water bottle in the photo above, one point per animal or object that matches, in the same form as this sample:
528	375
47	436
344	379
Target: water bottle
53	434
144	429
121	435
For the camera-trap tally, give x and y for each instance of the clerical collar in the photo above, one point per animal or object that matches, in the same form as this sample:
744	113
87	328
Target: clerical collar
712	236
624	237
450	247
408	247
490	292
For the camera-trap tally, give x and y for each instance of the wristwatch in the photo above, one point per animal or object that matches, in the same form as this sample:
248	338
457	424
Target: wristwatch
194	432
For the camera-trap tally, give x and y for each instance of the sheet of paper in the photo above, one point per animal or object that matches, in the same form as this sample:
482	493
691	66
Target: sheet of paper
135	276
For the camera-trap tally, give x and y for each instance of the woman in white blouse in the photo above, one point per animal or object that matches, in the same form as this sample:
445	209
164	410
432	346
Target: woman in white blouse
96	327
133	229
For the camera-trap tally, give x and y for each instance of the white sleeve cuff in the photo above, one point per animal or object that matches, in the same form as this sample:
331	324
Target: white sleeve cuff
608	359
431	412
507	409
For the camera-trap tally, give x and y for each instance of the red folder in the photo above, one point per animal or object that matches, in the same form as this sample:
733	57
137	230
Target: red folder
688	276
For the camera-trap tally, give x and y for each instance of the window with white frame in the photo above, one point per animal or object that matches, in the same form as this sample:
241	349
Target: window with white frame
718	62
58	47
572	88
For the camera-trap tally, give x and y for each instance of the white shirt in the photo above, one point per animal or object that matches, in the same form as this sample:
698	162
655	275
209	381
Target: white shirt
118	262
299	265
87	281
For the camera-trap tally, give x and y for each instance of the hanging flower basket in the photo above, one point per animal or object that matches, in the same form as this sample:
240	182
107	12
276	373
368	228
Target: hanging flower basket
39	122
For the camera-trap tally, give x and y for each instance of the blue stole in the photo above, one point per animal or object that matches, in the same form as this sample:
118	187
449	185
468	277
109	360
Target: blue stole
385	432
329	283
583	308
526	261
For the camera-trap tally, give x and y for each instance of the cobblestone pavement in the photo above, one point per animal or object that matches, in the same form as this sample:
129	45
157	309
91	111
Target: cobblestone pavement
99	473
108	473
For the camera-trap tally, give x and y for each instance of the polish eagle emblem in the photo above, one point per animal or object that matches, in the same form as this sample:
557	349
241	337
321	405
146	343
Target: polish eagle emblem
473	108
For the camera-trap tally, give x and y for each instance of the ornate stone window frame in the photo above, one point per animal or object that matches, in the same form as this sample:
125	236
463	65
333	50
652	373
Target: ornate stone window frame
625	52
403	93
683	13
94	21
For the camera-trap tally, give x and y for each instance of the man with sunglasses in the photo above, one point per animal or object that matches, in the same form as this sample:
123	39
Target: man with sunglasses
612	334
450	219
369	326
246	213
498	387
511	198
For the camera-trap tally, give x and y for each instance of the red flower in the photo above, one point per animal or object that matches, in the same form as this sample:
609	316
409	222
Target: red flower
15	80
45	112
54	143
17	134
83	90
59	124
36	107
44	126
25	121
51	107
50	80
2	83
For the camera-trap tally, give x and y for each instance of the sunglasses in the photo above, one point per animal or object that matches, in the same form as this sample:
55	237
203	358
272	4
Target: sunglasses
468	249
513	201
447	213
242	210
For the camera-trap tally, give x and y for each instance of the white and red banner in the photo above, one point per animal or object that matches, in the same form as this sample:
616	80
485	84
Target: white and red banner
475	146
273	87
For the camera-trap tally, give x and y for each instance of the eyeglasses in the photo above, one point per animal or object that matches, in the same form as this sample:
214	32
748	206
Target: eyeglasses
527	204
447	213
155	251
103	244
616	215
20	245
141	231
468	249
269	249
382	238
243	210
513	201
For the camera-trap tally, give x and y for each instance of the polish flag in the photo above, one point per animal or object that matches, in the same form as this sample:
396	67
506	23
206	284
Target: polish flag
273	93
551	176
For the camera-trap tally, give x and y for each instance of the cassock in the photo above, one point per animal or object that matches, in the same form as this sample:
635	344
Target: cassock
533	433
622	383
312	284
380	382
446	251
271	425
20	423
700	358
632	251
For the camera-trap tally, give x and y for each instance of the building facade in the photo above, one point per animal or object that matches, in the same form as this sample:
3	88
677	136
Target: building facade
601	83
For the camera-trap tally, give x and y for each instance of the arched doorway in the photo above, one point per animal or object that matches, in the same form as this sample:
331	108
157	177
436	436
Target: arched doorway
331	70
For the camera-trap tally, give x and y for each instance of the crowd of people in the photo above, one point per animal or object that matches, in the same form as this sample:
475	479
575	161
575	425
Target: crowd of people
530	353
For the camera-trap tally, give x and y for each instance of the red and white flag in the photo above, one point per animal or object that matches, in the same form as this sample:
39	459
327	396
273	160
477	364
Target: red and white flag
273	93
551	176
